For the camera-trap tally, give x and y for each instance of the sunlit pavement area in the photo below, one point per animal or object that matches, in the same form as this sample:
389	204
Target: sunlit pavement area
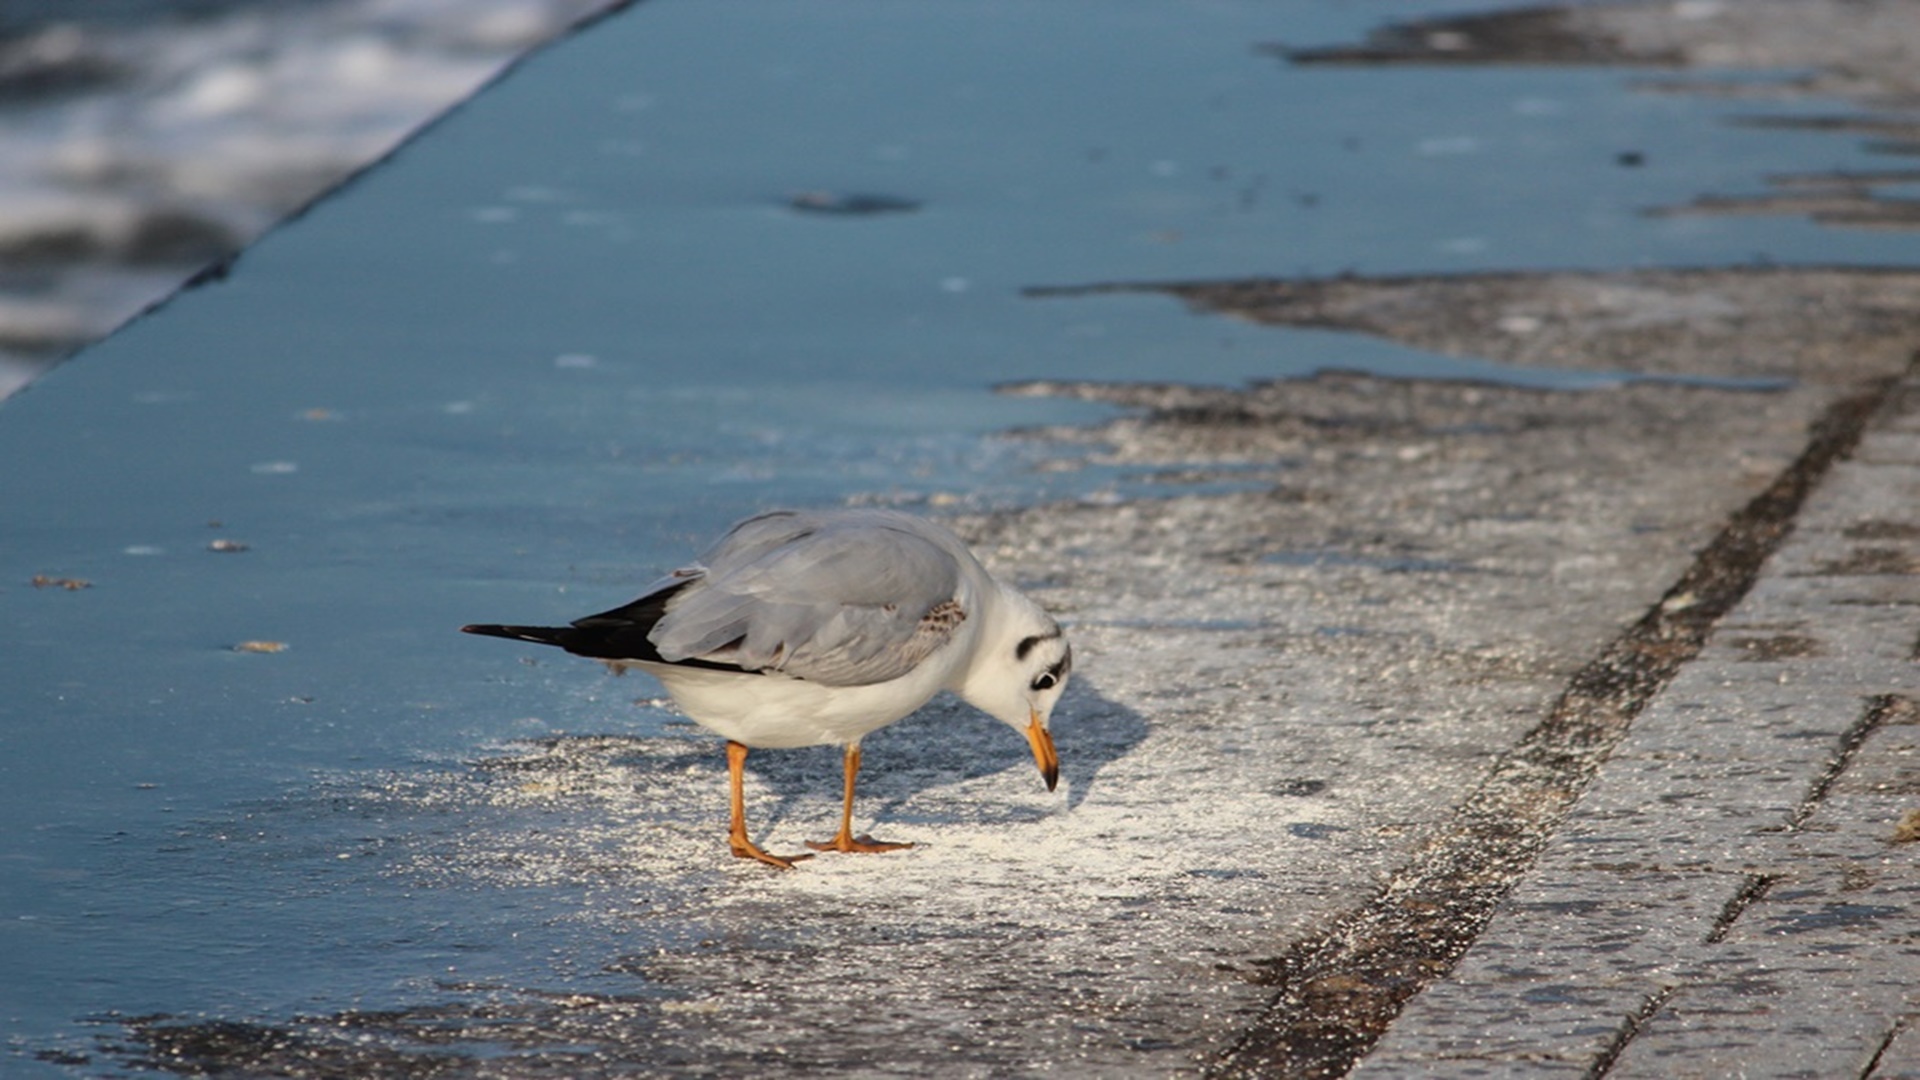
1482	499
1735	893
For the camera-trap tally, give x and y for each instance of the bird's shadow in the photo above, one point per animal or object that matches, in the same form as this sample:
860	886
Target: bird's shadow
948	741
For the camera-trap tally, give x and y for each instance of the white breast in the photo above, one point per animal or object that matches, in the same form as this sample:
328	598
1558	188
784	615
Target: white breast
775	711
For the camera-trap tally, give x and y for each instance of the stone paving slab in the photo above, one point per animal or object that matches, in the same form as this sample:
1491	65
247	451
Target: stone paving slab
1728	898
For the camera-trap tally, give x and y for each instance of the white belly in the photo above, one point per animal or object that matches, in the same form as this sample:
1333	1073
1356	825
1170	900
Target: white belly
775	711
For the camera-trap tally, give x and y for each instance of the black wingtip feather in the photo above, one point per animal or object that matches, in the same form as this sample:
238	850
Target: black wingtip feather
539	635
620	634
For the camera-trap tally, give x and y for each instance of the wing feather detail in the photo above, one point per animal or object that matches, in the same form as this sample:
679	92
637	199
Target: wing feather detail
842	600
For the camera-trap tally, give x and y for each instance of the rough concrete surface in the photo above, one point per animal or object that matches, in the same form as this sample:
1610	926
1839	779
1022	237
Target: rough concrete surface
1698	323
1733	895
1351	620
1368	593
1188	423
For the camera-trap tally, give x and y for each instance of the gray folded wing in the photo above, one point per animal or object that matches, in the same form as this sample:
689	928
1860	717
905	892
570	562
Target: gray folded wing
839	599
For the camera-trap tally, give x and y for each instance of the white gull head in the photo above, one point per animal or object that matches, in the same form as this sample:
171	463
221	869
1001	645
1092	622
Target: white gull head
1019	669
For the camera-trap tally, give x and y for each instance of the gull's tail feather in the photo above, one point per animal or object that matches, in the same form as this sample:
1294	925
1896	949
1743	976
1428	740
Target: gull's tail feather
622	641
621	634
601	640
598	637
539	635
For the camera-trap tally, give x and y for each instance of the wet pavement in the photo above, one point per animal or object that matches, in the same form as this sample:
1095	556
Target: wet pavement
1553	716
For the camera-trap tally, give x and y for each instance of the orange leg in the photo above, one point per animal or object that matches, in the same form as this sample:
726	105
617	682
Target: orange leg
737	839
844	840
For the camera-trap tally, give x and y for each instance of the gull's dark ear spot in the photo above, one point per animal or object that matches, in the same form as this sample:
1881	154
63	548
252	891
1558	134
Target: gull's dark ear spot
1026	645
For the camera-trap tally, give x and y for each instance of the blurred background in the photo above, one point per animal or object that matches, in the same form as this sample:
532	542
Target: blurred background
144	141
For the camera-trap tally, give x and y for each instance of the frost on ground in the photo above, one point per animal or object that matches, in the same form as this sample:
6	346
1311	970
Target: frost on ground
1283	689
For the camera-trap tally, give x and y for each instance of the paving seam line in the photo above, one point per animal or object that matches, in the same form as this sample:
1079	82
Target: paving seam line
1899	1028
1879	711
1751	891
1336	991
1630	1028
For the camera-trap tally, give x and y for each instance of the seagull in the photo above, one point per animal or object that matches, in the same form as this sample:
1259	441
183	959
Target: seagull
810	628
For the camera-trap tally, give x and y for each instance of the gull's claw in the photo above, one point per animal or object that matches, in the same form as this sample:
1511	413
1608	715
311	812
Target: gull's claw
861	843
844	840
752	850
737	838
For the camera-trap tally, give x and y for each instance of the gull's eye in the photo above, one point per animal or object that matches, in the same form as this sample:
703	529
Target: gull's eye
1046	681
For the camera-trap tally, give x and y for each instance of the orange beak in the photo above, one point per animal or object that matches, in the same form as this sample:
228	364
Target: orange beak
1043	754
